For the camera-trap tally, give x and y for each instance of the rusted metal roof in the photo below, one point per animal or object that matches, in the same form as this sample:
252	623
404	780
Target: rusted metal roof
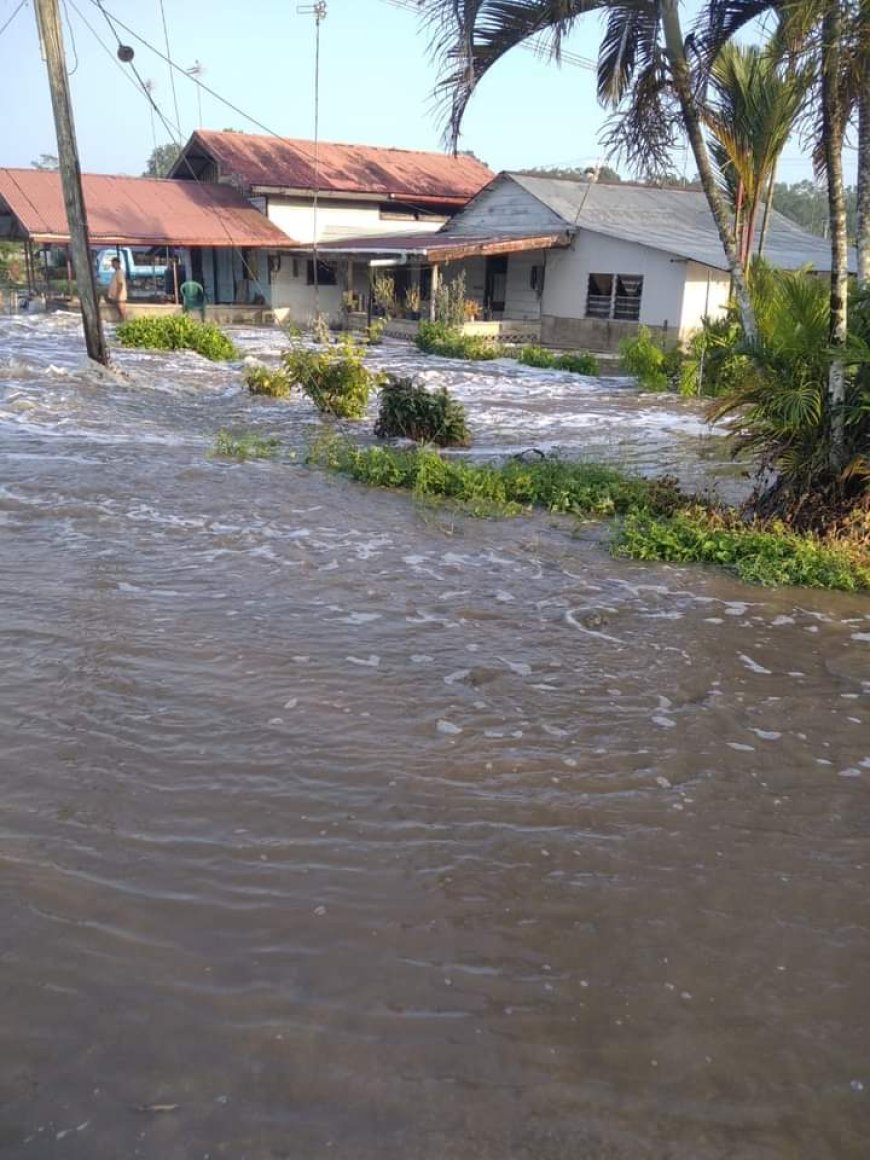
273	163
138	211
439	247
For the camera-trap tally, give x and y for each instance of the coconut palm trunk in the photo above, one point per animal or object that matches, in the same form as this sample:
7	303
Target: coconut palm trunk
833	131
676	55
864	186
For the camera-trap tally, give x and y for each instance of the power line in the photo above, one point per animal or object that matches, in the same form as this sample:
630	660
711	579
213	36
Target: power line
171	73
6	23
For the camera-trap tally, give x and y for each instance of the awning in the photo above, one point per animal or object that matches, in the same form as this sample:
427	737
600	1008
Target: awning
438	247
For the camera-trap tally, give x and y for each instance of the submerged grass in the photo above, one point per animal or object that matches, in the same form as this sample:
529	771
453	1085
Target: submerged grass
245	445
657	521
765	553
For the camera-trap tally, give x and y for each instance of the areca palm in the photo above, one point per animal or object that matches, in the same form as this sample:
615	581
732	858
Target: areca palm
646	75
754	104
831	38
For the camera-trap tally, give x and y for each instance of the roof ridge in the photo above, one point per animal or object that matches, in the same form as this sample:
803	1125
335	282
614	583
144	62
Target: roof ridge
341	144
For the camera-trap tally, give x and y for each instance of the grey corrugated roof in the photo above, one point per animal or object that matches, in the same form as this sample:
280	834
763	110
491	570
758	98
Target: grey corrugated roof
674	220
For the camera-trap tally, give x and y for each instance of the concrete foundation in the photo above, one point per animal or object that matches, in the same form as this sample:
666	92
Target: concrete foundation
595	334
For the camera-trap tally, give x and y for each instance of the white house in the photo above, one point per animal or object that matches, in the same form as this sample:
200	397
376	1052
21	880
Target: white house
585	264
321	193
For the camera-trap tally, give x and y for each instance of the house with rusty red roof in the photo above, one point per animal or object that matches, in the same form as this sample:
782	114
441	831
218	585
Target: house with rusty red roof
211	227
324	192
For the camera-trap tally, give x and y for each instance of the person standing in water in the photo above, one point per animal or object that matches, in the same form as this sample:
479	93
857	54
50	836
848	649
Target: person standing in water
117	292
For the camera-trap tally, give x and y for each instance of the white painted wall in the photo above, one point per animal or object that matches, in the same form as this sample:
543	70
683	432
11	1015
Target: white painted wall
696	302
568	274
337	219
292	294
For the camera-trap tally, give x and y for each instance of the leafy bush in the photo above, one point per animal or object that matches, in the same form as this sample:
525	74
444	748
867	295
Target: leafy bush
245	446
655	368
758	553
266	381
449	342
375	331
714	362
335	379
582	363
178	332
410	411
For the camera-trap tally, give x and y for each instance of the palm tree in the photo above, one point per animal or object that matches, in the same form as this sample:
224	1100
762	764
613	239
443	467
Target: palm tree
753	108
647	74
830	38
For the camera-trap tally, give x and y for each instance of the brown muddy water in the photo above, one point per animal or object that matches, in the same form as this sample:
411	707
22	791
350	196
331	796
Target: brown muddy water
334	826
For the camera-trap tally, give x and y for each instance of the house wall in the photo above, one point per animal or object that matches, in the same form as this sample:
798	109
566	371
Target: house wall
568	275
292	294
697	301
505	208
339	219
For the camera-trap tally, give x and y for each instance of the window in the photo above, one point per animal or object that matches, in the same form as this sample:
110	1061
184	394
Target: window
325	274
614	296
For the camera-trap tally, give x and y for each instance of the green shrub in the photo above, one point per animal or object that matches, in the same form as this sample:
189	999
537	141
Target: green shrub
375	331
335	379
715	361
178	332
410	411
581	363
449	342
245	446
537	356
655	368
265	381
450	306
760	553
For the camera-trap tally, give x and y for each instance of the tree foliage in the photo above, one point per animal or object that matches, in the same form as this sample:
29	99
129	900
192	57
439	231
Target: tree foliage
162	158
46	161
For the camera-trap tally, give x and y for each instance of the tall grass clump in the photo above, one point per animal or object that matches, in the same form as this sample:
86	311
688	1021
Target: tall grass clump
178	332
449	342
409	411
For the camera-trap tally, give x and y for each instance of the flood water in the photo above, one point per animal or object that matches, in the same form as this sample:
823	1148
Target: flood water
337	826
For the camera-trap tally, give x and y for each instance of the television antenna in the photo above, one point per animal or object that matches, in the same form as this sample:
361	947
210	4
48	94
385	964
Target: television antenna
195	72
318	11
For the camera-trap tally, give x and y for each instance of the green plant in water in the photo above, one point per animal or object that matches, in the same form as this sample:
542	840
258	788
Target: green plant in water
448	342
581	363
410	411
759	553
375	331
178	332
336	379
275	383
245	445
654	367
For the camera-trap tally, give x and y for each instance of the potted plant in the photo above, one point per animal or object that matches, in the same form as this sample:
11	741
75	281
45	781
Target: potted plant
412	303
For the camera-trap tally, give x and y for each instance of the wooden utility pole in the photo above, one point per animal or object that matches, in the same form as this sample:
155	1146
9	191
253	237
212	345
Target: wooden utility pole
51	35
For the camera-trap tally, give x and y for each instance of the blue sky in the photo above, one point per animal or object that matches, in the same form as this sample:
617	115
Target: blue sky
377	81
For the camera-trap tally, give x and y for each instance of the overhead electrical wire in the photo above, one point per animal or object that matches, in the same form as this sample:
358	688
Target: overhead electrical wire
7	22
169	55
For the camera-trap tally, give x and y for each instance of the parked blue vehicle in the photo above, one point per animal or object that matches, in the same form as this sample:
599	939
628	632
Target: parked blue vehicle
135	271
